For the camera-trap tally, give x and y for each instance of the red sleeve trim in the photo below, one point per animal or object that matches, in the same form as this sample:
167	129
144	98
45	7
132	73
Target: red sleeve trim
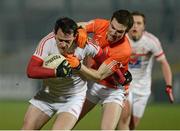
162	53
100	53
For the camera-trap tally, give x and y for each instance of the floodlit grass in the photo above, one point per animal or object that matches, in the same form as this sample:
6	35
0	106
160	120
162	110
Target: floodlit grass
161	117
157	116
11	114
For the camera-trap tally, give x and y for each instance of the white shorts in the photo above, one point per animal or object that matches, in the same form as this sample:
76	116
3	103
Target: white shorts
138	103
98	93
72	105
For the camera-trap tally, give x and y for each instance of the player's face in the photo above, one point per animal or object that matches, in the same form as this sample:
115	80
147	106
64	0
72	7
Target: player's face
116	31
137	30
65	42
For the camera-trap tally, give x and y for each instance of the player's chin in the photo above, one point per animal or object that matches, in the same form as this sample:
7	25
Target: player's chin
114	41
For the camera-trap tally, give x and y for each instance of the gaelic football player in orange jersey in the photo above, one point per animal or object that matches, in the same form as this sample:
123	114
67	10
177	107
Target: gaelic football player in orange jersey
110	35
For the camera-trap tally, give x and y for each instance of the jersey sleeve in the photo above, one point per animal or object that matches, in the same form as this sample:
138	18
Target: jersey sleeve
44	46
95	24
156	47
90	26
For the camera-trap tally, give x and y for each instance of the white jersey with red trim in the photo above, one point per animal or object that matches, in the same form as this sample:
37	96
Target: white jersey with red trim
53	88
141	62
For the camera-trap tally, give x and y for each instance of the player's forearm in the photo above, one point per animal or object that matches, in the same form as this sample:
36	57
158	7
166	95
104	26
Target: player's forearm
168	78
90	73
36	71
100	74
167	73
40	73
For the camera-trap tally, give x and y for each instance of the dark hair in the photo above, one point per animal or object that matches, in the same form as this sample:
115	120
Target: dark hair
67	25
123	17
137	13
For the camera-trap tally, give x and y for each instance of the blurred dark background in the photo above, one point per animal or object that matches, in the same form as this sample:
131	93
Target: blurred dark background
24	22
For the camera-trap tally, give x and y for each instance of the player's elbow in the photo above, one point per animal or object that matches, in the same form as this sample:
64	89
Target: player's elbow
29	73
30	76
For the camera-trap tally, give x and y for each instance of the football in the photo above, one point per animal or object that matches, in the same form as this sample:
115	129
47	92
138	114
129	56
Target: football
53	60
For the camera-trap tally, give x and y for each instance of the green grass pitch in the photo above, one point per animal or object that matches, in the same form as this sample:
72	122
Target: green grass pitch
157	116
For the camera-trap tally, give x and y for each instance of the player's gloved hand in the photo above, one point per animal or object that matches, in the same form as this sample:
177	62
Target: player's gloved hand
128	78
170	93
64	70
74	62
81	37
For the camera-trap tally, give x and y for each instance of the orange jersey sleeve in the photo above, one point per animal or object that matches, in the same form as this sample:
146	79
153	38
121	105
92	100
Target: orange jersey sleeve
96	25
99	29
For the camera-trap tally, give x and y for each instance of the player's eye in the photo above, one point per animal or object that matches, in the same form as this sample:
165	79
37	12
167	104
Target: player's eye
112	27
120	31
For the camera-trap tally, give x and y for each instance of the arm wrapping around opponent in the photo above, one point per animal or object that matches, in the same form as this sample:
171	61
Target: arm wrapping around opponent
102	72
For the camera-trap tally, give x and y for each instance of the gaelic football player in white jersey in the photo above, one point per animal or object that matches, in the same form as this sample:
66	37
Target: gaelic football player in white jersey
62	92
145	47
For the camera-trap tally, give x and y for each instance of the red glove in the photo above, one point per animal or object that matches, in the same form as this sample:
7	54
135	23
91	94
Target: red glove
170	93
81	38
73	61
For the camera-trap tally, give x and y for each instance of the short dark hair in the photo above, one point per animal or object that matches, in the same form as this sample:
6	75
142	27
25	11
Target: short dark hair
137	13
123	17
67	25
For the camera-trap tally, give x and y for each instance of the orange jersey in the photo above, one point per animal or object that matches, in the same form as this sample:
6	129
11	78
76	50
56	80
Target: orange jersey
117	54
99	29
119	51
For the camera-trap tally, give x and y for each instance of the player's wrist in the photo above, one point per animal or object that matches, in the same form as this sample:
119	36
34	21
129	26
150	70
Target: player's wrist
169	92
168	86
